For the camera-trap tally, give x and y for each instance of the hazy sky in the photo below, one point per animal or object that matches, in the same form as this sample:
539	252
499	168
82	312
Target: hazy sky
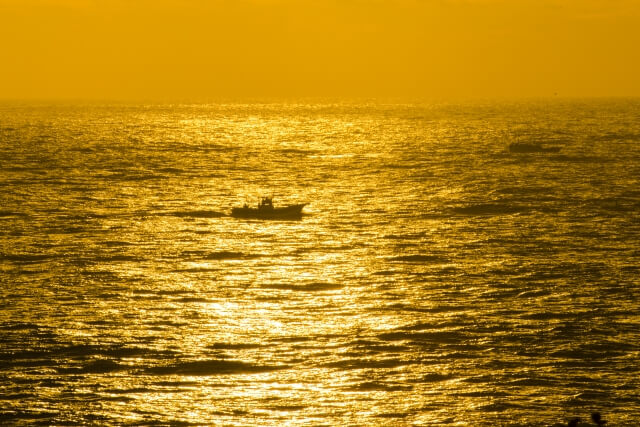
213	49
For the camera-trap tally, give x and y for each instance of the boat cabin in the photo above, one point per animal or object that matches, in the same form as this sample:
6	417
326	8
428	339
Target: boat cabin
265	204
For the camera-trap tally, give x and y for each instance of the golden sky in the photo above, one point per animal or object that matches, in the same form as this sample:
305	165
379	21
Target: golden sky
179	50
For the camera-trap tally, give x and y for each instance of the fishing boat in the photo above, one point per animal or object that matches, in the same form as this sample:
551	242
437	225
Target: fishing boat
266	210
532	147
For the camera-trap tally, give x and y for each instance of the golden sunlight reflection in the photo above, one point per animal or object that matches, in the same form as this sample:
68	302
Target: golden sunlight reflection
330	264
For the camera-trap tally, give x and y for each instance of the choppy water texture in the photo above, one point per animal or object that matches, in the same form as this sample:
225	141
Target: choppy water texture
436	278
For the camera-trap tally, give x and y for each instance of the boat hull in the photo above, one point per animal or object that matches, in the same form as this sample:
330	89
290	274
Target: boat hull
521	147
286	212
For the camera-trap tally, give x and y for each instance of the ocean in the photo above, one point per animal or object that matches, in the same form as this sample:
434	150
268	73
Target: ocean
436	278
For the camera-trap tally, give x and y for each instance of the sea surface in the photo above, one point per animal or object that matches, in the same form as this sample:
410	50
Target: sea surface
435	279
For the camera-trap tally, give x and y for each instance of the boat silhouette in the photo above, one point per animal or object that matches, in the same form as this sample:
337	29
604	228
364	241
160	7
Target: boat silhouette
266	210
532	147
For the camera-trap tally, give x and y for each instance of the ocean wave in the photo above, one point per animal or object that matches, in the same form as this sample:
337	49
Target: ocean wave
176	383
292	339
387	273
579	159
219	256
117	243
19	326
212	367
115	258
195	214
379	386
195	270
394	415
18	416
6	214
549	315
434	336
193	300
27	258
435	377
409	236
373	347
618	136
99	366
222	255
525	190
303	287
417	258
497	406
489	209
297	151
287	408
408	165
348	364
533	382
171	170
234	346
433	309
82	351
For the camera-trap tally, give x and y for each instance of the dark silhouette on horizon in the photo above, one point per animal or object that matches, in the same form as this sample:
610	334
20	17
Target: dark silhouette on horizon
532	147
